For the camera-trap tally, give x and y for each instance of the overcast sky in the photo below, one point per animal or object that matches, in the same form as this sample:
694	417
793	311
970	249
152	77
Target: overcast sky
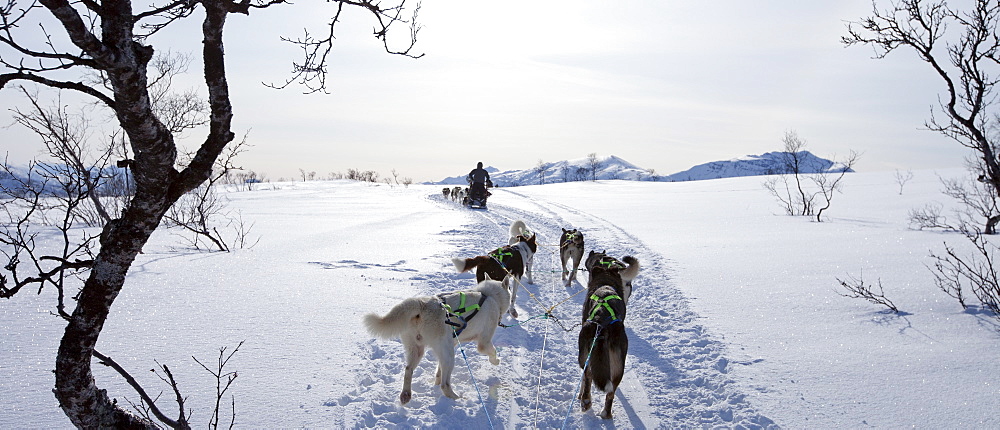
663	84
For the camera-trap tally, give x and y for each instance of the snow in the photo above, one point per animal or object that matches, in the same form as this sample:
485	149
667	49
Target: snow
735	320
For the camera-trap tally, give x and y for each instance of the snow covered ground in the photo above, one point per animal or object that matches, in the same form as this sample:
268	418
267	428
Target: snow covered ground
735	320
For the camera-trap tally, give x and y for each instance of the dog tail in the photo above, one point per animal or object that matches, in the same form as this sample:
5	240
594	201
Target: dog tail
393	323
466	264
632	270
607	363
519	228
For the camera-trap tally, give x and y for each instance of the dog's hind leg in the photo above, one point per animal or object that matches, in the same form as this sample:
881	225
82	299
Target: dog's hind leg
608	399
513	297
445	353
585	391
565	273
414	352
576	265
586	340
616	356
527	268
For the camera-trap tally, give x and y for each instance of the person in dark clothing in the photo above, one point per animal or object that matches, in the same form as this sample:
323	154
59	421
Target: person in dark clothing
478	180
478	175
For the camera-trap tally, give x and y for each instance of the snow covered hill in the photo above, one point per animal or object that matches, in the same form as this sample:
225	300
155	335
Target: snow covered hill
612	167
37	178
770	163
580	169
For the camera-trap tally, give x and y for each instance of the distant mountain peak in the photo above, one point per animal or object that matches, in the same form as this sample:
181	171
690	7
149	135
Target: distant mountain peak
614	167
770	163
579	169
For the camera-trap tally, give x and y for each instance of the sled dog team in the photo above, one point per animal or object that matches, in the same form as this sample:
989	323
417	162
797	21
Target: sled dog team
456	194
438	322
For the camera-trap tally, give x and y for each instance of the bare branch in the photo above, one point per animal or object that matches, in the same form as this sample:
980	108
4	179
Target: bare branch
857	289
311	72
150	403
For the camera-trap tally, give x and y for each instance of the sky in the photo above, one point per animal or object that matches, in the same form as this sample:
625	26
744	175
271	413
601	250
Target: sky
665	85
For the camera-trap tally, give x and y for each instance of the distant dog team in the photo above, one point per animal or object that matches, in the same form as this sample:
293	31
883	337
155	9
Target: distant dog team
439	322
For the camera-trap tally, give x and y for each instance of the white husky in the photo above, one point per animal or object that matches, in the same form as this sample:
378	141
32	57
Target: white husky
438	322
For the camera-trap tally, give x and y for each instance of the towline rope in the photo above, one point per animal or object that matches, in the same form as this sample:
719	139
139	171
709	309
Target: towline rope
482	403
585	364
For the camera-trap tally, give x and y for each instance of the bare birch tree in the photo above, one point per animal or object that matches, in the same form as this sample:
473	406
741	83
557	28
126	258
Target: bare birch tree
961	45
57	44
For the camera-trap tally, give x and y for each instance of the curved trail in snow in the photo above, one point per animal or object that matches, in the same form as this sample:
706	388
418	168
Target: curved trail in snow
676	373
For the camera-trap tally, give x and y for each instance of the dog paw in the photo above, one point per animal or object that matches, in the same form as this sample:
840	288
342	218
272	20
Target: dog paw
494	360
404	397
449	393
606	414
513	312
585	405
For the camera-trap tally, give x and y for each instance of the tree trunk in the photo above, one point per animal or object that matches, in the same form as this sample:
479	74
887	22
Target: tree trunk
81	400
158	186
991	224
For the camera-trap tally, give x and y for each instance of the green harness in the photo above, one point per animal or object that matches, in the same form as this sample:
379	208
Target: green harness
500	254
610	263
602	302
461	312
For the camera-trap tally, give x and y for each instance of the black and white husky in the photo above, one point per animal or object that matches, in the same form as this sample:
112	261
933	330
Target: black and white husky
602	259
570	247
518	230
514	260
438	322
603	342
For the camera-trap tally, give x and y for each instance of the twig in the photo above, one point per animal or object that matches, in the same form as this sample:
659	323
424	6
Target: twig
857	289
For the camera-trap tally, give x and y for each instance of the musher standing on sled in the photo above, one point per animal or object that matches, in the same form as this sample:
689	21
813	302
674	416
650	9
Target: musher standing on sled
478	180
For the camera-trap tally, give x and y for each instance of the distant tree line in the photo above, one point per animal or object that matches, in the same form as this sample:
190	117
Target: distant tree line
356	175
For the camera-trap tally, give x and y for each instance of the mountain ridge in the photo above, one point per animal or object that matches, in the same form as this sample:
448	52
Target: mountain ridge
613	167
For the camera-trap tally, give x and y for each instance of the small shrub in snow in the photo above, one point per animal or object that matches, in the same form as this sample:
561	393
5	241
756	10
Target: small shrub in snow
802	194
857	289
928	216
975	273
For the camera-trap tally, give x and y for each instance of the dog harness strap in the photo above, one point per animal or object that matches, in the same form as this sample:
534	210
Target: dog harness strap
602	302
499	255
610	263
460	312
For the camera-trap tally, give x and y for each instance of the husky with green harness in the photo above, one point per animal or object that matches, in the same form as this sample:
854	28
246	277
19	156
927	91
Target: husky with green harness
439	322
514	260
603	343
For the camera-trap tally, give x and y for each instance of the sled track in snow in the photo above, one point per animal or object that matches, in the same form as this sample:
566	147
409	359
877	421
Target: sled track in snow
676	374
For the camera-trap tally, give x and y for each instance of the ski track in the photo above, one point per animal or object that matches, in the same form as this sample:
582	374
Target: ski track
538	378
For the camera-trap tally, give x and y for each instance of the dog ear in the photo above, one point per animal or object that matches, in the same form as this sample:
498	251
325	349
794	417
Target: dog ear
506	282
486	277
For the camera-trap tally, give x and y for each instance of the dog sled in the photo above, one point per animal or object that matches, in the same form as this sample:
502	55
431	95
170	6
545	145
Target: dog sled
477	196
